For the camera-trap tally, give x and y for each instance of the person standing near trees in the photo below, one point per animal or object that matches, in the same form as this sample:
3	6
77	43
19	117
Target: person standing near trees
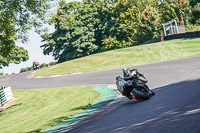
34	65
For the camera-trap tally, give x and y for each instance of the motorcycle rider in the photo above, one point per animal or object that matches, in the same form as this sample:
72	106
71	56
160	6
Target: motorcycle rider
130	75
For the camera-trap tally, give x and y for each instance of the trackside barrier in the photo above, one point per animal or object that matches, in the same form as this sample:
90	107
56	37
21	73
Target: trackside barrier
195	34
5	95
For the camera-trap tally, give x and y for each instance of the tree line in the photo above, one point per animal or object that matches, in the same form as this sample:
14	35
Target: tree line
92	26
40	66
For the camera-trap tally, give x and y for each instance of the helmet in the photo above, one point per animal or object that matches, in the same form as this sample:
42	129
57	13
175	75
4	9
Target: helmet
126	72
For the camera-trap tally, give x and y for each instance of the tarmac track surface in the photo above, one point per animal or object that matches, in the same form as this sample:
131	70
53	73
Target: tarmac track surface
158	74
174	108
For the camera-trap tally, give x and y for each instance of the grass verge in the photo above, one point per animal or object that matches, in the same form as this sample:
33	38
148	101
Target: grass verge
155	52
35	110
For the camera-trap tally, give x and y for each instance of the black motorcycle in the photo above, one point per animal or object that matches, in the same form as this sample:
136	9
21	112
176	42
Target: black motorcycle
133	85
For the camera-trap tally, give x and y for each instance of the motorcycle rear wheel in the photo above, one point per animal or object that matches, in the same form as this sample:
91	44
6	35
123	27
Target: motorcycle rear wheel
140	95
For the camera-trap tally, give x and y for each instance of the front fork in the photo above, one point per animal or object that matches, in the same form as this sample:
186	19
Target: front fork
148	90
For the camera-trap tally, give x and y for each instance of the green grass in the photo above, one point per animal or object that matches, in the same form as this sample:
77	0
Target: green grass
156	52
35	110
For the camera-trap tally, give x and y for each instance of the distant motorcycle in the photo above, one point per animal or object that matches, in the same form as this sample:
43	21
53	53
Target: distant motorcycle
34	67
133	85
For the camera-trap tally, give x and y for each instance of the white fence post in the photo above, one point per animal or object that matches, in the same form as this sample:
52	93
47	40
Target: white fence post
5	95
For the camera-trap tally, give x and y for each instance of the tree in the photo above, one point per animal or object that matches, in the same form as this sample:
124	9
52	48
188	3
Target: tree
135	21
175	9
148	21
71	38
195	17
194	2
16	18
13	54
91	26
80	29
122	27
101	19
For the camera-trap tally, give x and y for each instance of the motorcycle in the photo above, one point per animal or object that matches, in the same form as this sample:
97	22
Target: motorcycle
133	85
34	67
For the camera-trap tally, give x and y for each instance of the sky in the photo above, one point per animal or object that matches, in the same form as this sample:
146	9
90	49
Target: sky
34	51
35	54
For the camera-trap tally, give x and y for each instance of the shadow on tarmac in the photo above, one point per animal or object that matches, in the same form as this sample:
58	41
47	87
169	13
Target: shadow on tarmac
174	108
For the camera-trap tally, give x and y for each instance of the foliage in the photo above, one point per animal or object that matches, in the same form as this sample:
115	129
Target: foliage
142	54
195	17
124	16
194	2
121	31
16	17
15	55
185	12
71	38
178	10
92	26
80	29
40	66
112	43
136	21
148	22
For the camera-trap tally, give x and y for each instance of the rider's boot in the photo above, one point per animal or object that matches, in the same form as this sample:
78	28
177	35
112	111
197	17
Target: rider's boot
152	93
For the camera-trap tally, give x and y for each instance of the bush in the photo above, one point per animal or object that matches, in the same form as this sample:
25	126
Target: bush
191	28
195	17
53	63
40	66
112	43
